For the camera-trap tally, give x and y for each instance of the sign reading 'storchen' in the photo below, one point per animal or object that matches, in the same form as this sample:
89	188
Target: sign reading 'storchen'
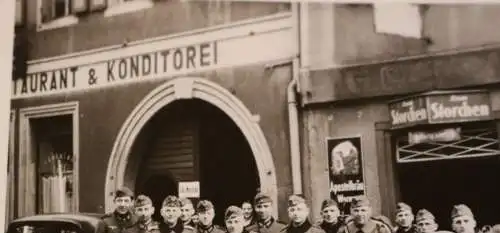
441	107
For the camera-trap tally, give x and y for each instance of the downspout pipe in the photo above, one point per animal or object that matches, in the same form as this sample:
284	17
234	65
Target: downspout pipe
293	115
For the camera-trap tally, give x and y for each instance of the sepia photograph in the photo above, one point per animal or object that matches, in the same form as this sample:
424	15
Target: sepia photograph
250	116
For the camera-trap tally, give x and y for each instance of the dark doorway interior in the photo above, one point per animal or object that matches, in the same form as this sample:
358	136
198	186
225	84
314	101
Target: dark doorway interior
438	185
218	155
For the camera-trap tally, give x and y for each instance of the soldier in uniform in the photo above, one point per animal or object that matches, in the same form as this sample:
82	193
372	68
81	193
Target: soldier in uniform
248	213
425	222
206	214
330	214
234	220
265	222
462	219
298	212
171	211
144	210
404	219
362	220
122	219
187	212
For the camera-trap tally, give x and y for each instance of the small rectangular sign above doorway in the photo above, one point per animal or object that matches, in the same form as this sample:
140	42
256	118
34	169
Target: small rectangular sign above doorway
189	189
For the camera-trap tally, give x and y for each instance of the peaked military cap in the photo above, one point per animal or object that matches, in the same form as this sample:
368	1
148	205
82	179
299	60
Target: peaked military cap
171	201
204	205
142	200
185	201
360	201
262	198
233	212
295	199
424	214
124	192
461	210
327	203
401	206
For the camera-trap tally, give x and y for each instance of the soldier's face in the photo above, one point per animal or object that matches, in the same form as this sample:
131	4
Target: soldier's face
170	213
206	217
298	213
187	211
330	214
463	224
145	212
361	214
234	225
264	210
426	226
247	210
123	204
404	218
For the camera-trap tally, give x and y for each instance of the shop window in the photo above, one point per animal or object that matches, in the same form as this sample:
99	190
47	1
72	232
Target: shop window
56	13
48	159
117	7
469	142
53	146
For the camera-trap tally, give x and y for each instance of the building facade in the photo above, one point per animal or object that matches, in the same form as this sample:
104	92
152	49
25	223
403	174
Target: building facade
424	108
147	94
244	96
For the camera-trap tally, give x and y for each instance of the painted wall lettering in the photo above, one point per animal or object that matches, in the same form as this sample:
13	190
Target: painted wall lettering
142	66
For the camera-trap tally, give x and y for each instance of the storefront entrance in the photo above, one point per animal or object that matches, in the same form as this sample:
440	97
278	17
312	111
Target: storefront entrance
436	175
191	140
191	129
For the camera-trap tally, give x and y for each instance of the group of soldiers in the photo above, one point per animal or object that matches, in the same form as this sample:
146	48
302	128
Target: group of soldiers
180	216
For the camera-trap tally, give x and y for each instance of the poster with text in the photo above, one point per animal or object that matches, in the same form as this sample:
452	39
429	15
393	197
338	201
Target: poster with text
345	162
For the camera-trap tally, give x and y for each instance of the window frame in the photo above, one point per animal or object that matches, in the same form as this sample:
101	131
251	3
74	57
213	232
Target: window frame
28	175
65	21
118	7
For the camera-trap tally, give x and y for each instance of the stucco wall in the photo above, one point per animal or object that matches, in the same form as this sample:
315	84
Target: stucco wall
343	34
102	113
164	18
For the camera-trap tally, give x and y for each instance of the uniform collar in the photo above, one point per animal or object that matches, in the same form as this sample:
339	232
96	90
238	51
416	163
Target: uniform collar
145	224
367	228
266	223
205	228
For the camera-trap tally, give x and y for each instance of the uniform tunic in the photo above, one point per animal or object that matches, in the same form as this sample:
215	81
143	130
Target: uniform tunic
306	227
120	223
372	226
149	227
331	227
178	228
210	229
412	229
270	226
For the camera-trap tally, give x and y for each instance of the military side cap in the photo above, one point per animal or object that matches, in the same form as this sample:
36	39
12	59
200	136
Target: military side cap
401	206
461	210
123	192
295	199
360	201
233	212
327	203
185	201
262	198
424	214
204	205
171	201
142	200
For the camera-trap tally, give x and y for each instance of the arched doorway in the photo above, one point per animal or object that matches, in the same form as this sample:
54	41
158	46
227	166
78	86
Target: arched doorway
198	92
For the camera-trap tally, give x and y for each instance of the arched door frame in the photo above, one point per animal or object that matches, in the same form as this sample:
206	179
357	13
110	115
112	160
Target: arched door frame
189	88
